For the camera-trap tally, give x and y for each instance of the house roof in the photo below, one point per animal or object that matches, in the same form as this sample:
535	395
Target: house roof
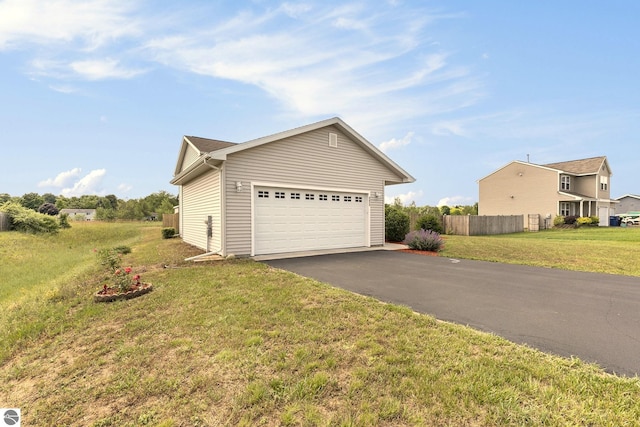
221	149
633	196
588	166
206	145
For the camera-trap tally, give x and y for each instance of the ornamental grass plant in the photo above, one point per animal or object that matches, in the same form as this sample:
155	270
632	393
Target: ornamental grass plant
424	240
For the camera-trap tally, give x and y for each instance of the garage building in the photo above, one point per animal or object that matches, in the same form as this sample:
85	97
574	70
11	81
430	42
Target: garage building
320	186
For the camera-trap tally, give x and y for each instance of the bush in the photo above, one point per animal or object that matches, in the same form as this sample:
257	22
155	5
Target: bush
168	232
64	220
424	240
558	221
396	224
48	209
583	220
430	222
570	219
28	221
595	220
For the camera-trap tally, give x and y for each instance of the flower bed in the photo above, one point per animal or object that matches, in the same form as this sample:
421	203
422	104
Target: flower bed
108	294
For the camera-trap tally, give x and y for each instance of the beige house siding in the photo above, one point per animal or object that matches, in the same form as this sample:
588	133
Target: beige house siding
190	156
585	185
203	197
306	161
519	189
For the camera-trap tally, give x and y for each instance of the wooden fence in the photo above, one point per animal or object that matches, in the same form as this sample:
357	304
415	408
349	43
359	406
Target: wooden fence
477	225
4	221
171	220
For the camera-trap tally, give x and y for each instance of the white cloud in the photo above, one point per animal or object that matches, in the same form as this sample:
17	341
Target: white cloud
125	188
92	23
406	198
375	65
455	201
88	184
394	143
62	179
99	69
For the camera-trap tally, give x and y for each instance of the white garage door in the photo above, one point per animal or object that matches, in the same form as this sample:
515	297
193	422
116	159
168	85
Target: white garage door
290	220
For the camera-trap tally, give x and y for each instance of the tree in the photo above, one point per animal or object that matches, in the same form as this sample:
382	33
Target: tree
48	209
445	210
32	201
49	198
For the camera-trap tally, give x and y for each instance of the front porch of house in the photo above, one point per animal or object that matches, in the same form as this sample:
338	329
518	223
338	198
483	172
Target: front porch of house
587	207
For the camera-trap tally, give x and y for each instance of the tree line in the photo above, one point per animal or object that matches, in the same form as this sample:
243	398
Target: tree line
108	208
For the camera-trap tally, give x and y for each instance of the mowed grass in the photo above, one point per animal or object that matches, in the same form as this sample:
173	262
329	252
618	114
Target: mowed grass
612	250
240	343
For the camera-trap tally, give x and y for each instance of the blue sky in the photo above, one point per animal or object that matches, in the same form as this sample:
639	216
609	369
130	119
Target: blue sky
95	95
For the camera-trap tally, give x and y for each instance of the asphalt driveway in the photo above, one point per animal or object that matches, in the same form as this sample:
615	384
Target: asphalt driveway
595	317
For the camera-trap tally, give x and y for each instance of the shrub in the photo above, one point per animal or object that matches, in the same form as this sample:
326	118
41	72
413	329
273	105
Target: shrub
558	221
583	220
48	209
28	221
168	232
430	222
570	219
595	220
396	224
424	240
64	220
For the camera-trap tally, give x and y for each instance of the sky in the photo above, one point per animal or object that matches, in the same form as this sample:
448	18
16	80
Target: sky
95	95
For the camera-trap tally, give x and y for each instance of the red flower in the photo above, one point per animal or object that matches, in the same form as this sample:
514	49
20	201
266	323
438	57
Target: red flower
127	270
118	272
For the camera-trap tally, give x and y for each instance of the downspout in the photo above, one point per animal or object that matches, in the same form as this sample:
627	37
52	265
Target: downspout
212	252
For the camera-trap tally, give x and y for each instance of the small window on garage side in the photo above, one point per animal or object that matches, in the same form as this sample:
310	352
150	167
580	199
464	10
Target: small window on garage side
358	199
309	196
295	196
323	197
335	198
263	194
347	198
279	194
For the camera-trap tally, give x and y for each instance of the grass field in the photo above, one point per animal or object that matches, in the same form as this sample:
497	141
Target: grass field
239	343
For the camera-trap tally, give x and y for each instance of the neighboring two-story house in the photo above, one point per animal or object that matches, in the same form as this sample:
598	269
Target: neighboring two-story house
577	187
628	203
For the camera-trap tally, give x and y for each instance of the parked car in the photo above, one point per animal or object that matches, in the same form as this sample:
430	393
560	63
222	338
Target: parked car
630	219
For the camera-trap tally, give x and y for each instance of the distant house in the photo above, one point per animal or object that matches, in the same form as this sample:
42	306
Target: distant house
319	186
79	214
628	203
576	187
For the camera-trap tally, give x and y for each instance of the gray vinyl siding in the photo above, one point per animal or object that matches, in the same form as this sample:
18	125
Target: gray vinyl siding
190	156
202	196
302	160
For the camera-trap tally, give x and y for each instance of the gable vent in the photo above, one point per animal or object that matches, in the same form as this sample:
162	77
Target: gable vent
333	140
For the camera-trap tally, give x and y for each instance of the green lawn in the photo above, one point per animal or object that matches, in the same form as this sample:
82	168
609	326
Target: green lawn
599	249
239	343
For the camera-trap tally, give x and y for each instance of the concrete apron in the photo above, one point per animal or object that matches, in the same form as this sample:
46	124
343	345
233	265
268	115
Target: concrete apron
387	247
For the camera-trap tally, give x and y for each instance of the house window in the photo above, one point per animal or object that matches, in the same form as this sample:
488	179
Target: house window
565	182
604	183
309	196
322	197
263	194
335	198
564	208
295	196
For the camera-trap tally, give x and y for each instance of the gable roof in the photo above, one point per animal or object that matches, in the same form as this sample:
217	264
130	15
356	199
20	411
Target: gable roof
205	145
633	196
588	166
221	149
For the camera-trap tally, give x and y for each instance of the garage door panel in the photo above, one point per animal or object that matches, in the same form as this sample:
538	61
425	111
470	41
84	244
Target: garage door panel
300	220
